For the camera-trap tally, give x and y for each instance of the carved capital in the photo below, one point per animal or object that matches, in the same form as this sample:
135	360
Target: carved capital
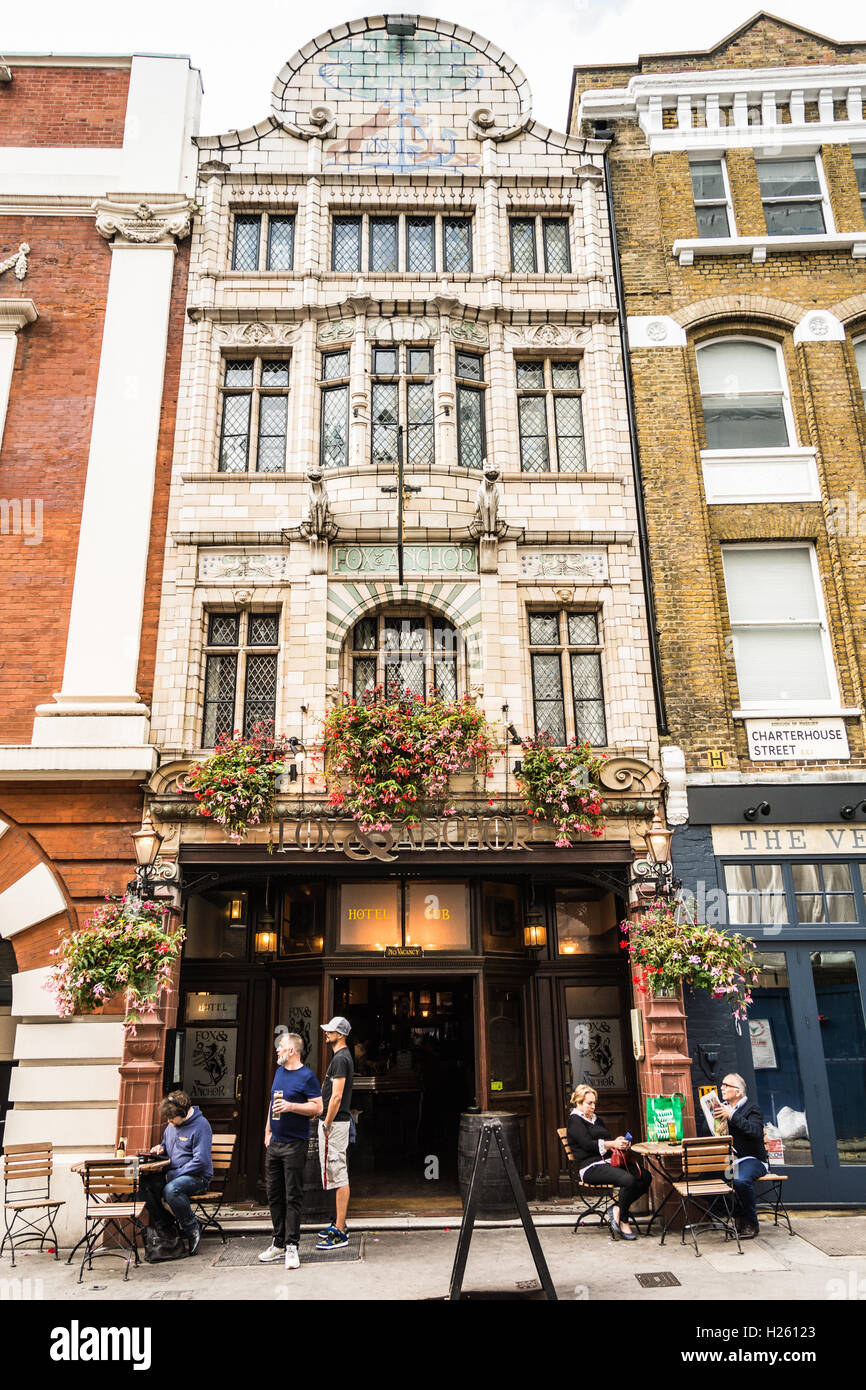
144	224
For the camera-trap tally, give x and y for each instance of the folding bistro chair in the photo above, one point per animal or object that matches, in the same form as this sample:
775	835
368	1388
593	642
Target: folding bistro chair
27	1192
705	1185
111	1202
770	1199
594	1200
208	1204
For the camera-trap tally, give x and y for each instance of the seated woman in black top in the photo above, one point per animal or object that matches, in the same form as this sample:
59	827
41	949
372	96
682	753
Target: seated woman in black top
590	1141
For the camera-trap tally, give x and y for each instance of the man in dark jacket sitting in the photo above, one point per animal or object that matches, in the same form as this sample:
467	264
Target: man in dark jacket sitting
746	1128
187	1141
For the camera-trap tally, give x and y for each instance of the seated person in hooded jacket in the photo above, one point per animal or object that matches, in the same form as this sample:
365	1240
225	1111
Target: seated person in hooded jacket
187	1141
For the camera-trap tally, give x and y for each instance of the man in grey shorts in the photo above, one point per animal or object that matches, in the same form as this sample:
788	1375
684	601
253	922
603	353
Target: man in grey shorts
334	1129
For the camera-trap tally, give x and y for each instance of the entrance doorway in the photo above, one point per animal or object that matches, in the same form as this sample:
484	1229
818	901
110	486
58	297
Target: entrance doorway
414	1047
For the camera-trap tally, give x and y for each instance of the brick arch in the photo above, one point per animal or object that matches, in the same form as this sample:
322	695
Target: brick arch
781	312
850	310
34	901
460	603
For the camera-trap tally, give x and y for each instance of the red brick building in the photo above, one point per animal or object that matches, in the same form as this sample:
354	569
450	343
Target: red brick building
96	167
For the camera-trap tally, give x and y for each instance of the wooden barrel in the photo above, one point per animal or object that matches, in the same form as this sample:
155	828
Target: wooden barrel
497	1198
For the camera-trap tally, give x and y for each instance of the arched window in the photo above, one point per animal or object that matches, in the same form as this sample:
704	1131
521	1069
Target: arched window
407	653
744	395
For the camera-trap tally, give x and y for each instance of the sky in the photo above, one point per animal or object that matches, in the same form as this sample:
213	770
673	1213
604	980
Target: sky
240	47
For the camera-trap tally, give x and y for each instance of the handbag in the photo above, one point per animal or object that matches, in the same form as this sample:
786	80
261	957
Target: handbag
619	1159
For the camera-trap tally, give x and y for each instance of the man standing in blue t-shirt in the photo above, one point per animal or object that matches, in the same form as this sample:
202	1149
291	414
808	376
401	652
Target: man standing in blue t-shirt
295	1098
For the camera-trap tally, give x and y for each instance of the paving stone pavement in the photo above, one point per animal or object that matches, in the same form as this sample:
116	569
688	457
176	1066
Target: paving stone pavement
416	1265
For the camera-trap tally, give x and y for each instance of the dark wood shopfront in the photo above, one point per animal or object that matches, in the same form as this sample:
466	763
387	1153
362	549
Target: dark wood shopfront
449	1006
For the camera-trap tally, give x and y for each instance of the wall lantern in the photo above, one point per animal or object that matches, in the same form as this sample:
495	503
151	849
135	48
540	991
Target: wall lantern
238	910
147	842
653	877
266	929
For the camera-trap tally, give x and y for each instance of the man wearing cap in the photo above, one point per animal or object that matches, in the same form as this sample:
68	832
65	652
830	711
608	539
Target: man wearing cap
334	1129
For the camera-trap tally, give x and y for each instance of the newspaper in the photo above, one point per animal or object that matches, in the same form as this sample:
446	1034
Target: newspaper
714	1125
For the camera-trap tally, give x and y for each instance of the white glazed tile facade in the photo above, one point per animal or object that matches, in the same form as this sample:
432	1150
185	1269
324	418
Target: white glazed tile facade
338	144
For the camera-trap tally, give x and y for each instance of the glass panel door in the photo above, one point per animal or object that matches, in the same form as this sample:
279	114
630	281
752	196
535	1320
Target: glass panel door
778	1086
839	995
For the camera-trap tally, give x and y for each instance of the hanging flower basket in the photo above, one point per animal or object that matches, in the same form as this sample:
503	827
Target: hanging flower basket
560	785
394	759
667	949
235	785
127	948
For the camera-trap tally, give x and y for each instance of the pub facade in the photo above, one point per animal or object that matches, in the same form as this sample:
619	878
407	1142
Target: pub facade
399	268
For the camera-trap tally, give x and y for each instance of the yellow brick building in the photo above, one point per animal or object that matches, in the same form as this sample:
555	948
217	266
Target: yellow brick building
738	182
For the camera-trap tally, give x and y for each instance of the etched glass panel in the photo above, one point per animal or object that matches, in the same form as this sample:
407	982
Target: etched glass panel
245	248
420	244
569	434
235	442
335	366
384	422
383	243
532	417
544	629
470	427
281	243
264	629
523	258
222	630
557	256
419	433
385	362
335	427
219	698
261	691
457	243
346	244
419	362
582	629
272	434
549	704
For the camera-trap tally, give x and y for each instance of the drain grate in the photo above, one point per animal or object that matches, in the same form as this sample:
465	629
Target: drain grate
245	1253
659	1279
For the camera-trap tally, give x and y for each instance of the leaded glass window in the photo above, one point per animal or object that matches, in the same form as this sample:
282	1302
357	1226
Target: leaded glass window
346	243
254	415
550	416
565	657
402	394
405	655
240	674
334	435
457	245
281	243
420	244
245	244
383	243
792	196
524	260
557	255
252	231
471	441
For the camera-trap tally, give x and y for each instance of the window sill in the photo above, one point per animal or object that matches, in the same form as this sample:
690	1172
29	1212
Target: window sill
734	476
797	712
760	247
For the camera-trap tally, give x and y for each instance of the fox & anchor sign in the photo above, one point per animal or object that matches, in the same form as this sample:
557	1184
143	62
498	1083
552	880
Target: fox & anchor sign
320	834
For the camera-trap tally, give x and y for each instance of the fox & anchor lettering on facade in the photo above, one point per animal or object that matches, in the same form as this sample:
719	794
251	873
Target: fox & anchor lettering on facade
319	834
